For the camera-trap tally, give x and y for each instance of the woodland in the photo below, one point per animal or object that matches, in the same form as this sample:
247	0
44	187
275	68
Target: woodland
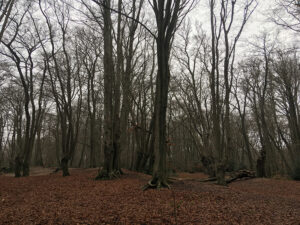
138	112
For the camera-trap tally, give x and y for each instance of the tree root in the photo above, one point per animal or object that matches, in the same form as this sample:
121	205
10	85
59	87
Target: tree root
156	185
56	170
247	174
240	174
209	179
105	175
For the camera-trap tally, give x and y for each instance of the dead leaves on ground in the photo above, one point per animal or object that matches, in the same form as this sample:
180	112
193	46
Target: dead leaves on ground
78	199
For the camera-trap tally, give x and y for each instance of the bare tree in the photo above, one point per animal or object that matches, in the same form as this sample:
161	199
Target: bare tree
223	29
111	99
286	13
168	15
286	80
65	80
26	38
6	7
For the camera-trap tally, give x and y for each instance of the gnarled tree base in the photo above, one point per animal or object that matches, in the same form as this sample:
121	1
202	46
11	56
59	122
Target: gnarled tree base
18	166
156	183
108	175
220	174
25	170
65	167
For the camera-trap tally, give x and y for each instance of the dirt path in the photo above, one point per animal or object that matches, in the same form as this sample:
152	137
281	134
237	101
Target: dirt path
78	199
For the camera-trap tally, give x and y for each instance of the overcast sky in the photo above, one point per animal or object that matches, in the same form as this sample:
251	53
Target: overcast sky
259	23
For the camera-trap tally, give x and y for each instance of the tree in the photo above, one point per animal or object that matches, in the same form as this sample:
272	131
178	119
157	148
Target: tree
6	7
26	39
261	88
241	108
223	29
286	13
168	15
111	166
65	78
286	79
192	96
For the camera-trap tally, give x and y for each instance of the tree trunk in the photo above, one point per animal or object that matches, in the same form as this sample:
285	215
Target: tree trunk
38	159
159	173
65	167
221	174
18	166
111	127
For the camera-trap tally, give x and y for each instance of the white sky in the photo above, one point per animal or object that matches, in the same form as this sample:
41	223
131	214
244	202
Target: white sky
258	24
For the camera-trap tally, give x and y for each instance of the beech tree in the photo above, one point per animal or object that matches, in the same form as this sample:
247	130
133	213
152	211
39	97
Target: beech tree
111	137
223	65
26	38
168	15
117	84
65	80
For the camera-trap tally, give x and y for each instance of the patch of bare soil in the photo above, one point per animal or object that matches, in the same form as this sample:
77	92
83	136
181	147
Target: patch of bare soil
78	199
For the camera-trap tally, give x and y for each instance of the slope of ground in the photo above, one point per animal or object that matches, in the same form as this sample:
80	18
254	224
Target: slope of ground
78	199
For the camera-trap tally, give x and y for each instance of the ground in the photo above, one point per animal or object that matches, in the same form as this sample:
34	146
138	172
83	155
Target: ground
52	199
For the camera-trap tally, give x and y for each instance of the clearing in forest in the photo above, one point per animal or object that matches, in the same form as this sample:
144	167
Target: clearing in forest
79	199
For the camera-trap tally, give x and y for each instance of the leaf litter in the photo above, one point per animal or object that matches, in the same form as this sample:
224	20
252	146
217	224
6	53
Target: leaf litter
79	199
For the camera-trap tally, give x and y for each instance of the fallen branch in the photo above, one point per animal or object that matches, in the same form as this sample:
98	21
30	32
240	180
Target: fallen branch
230	178
240	174
208	179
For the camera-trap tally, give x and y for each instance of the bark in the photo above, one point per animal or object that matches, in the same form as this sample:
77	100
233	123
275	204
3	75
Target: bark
38	159
117	95
111	146
220	174
65	167
18	166
92	113
166	20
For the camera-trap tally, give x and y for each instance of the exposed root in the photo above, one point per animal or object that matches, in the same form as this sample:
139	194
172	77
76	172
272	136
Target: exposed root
207	179
156	185
105	175
66	173
121	172
56	170
241	174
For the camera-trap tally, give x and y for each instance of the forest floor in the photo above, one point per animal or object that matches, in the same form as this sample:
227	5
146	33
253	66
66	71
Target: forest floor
52	199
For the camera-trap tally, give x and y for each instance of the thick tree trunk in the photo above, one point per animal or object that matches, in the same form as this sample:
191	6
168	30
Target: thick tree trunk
18	166
25	169
65	166
159	173
111	168
92	141
220	174
38	159
167	14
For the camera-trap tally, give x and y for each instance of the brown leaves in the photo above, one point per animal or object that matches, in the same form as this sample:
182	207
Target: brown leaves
79	199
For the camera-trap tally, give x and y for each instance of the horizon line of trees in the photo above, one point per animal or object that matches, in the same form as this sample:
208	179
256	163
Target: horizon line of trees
134	84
